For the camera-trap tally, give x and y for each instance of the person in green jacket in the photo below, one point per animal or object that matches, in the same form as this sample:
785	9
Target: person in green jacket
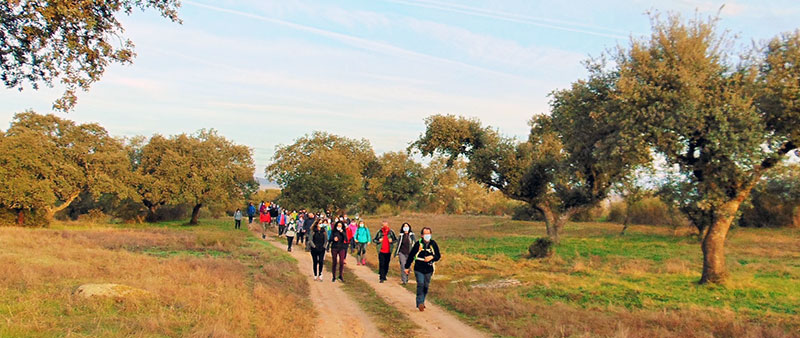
362	239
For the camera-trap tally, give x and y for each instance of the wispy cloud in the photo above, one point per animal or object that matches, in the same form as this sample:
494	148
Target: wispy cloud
355	41
562	25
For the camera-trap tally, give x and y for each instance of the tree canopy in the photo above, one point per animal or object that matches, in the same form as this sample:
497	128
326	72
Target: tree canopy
48	161
66	41
723	119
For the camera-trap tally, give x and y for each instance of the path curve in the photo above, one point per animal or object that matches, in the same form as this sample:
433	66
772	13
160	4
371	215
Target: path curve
329	300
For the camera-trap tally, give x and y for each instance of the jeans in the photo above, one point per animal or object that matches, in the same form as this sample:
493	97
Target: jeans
318	257
301	236
423	282
383	267
338	256
249	219
361	250
403	258
238	224
289	240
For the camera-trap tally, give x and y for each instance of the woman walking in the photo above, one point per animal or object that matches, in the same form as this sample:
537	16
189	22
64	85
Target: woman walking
407	240
338	242
291	231
237	219
301	230
384	240
317	241
362	238
425	253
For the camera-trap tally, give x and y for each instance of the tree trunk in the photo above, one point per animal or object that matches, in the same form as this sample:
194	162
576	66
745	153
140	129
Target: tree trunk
625	222
555	222
51	212
714	270
195	212
20	217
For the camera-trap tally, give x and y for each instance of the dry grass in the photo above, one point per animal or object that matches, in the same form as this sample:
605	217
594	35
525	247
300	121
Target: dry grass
600	284
206	282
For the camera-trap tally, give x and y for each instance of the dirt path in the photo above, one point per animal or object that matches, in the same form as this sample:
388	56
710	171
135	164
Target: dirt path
329	300
435	321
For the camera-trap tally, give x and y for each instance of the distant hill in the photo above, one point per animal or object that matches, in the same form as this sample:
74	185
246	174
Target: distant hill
264	183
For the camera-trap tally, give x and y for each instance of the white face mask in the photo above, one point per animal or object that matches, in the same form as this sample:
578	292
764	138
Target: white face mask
339	228
405	228
426	237
361	225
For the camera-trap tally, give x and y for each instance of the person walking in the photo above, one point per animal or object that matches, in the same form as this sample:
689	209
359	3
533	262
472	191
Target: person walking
384	240
307	225
291	231
362	238
317	241
426	253
338	242
406	241
237	219
274	211
251	212
301	231
352	227
282	219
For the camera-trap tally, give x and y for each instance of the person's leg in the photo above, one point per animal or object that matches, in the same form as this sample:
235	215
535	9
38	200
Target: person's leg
334	260
314	260
342	258
420	287
383	264
403	258
290	239
427	281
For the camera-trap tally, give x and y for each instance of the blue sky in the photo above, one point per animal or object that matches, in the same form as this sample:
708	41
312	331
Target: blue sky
266	72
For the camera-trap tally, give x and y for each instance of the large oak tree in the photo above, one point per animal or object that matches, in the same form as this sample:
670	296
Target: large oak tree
724	119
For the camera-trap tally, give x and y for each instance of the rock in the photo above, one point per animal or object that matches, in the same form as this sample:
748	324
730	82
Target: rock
496	284
116	291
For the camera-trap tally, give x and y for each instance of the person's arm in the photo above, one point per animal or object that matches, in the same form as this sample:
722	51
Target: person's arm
412	254
436	254
376	240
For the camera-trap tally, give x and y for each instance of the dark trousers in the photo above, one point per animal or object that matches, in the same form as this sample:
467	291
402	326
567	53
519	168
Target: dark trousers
281	228
301	236
318	257
238	224
338	256
249	219
289	240
423	282
383	266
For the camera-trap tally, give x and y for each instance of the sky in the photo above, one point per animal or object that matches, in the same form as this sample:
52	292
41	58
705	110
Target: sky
264	73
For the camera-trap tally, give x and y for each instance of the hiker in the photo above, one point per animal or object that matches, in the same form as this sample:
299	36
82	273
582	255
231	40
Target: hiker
351	233
384	240
263	218
425	253
237	219
301	231
251	212
307	225
291	231
407	240
274	212
338	243
282	218
362	238
317	241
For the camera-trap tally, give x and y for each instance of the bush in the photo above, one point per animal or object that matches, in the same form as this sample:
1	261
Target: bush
594	214
384	209
541	248
616	212
32	218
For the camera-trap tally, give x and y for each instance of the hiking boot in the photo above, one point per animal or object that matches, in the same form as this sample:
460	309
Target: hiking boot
333	280
340	279
421	307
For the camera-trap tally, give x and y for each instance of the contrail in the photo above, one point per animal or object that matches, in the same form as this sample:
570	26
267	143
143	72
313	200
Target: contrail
530	20
357	41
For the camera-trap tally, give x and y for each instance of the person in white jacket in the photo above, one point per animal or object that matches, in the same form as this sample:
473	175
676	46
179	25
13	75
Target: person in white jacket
237	219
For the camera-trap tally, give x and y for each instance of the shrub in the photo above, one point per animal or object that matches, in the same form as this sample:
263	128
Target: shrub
541	248
524	212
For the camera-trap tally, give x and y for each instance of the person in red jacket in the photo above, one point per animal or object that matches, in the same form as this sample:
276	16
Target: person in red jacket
384	240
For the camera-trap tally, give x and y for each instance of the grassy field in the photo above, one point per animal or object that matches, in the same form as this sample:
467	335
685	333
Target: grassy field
599	283
203	281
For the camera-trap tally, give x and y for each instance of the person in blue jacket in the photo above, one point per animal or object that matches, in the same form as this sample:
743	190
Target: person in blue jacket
251	212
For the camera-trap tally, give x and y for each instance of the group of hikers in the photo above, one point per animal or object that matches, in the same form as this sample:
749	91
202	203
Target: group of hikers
323	233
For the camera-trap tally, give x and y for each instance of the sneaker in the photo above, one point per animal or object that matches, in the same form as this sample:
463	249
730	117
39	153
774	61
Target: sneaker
333	280
340	279
382	280
421	307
